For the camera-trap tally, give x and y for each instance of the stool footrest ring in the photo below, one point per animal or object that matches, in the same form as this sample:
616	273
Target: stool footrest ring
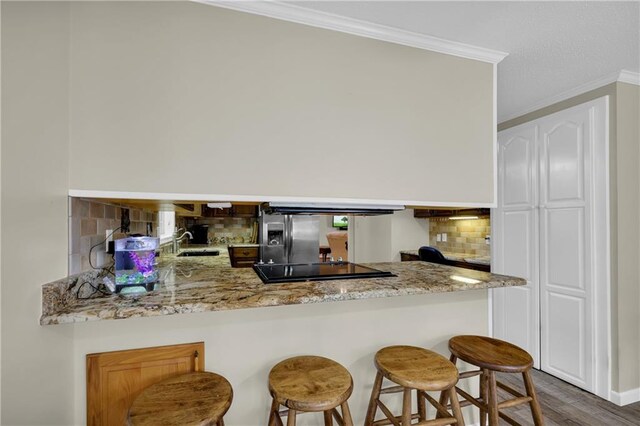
509	389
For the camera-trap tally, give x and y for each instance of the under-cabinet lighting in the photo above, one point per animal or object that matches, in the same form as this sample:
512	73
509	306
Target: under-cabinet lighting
465	279
462	217
219	205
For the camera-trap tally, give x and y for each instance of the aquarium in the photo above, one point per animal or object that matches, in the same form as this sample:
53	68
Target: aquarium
135	259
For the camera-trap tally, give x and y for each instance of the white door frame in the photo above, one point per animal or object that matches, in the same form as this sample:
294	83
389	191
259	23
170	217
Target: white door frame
600	240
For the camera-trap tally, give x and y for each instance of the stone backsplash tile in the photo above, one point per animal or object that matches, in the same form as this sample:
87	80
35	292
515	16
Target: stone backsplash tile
88	223
463	236
227	230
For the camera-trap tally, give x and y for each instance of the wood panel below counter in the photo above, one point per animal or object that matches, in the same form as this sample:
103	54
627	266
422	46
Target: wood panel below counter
115	379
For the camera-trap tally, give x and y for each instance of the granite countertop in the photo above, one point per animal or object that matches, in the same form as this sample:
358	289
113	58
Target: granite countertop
201	284
459	257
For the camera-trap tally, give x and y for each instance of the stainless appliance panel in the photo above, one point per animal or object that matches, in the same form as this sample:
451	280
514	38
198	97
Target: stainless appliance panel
304	239
273	238
289	239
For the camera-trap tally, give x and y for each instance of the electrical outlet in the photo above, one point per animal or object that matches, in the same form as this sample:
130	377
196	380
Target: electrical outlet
487	239
438	237
444	237
108	238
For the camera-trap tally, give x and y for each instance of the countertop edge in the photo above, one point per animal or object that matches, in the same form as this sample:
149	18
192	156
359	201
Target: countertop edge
177	309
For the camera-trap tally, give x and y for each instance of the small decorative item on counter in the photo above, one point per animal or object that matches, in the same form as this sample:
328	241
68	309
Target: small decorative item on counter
135	262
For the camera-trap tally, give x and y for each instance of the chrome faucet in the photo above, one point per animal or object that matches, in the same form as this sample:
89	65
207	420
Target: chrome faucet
177	240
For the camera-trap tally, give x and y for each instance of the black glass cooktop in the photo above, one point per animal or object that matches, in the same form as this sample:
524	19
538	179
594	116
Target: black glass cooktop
284	273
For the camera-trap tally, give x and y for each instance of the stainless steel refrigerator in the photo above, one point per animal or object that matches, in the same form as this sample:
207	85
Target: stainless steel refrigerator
286	238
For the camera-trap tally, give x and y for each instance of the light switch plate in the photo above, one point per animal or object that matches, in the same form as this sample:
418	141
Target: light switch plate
438	237
444	237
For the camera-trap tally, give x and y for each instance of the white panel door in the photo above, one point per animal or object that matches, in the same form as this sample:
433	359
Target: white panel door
551	227
566	288
515	229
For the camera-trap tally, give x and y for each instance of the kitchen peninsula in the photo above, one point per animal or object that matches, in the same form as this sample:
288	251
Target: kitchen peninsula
201	284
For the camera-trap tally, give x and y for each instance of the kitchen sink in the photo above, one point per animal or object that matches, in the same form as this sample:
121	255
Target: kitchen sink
195	253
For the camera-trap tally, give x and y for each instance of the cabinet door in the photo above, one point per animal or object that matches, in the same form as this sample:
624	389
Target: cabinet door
241	210
114	379
515	241
566	281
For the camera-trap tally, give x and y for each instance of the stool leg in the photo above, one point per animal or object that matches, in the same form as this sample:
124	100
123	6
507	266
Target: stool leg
422	407
538	420
328	418
492	398
274	415
373	402
346	414
484	385
291	418
444	395
406	407
455	406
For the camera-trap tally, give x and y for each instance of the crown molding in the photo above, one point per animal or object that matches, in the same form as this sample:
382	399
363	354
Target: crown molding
330	21
623	76
630	77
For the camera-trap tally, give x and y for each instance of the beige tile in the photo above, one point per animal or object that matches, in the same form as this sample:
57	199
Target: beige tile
79	207
84	265
74	235
88	227
135	214
96	210
109	212
75	264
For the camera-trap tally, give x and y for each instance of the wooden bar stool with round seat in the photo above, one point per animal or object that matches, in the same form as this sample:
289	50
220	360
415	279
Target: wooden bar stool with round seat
491	356
199	398
412	368
310	384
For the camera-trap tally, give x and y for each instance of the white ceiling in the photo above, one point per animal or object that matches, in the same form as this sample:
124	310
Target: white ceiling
553	46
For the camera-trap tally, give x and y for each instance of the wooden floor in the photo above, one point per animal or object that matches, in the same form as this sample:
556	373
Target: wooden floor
565	404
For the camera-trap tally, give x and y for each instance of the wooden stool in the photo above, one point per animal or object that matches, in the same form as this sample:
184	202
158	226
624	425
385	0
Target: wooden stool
189	399
493	355
310	384
414	368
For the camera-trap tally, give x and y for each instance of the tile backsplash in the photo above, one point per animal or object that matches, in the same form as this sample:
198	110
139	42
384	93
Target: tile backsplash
463	236
226	230
88	223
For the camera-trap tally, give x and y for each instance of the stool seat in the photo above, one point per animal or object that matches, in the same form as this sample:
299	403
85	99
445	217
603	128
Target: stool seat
310	383
493	354
200	398
416	368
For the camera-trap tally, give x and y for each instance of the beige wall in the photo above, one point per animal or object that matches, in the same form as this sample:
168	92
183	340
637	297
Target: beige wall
37	365
208	92
243	345
624	155
381	238
628	217
48	47
407	233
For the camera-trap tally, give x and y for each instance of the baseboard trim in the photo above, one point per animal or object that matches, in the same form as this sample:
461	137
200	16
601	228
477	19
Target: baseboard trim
626	397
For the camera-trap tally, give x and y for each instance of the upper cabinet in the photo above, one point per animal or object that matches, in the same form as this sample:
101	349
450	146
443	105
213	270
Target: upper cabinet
236	210
426	213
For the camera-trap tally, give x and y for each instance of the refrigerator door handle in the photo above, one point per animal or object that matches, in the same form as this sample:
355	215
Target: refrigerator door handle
288	237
